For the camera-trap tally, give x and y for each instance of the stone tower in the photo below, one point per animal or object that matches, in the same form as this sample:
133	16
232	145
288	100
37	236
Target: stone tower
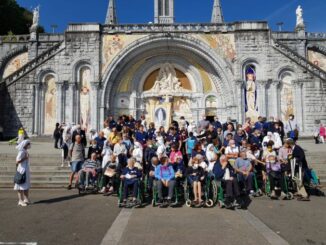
164	11
217	15
111	15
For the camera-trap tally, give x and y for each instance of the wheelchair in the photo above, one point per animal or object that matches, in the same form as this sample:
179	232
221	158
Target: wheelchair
91	184
130	203
210	192
176	195
288	194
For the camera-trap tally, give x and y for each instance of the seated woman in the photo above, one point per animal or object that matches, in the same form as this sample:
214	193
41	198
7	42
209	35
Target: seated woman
195	177
89	171
130	177
274	172
109	173
225	173
165	175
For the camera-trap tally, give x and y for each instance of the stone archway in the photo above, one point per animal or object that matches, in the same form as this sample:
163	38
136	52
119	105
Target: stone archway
180	45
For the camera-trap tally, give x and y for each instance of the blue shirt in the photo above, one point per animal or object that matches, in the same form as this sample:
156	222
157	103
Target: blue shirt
133	171
141	137
164	172
191	142
243	164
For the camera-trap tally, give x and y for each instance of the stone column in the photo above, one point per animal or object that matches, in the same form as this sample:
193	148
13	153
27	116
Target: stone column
298	102
133	104
59	101
261	97
71	94
274	106
240	100
37	109
94	106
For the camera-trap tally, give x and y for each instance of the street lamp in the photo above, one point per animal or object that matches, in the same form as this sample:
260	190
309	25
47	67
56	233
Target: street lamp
54	27
280	25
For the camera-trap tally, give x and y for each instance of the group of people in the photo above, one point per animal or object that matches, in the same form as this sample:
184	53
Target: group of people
130	150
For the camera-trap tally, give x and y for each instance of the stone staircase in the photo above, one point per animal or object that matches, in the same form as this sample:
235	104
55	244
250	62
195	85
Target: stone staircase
33	64
45	162
303	62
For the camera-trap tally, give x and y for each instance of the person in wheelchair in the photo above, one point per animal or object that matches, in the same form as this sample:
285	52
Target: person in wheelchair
225	174
244	170
130	178
89	172
165	176
151	174
275	176
196	178
109	175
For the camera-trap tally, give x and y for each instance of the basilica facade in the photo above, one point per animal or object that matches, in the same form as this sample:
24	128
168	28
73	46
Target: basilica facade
162	70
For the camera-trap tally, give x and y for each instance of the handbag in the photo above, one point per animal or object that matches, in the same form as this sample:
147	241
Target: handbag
110	172
19	178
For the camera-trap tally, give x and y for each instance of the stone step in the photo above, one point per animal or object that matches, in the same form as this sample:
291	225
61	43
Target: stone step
39	178
38	185
38	173
37	168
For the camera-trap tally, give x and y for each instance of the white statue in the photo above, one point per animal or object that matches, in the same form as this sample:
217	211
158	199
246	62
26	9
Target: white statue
251	97
167	81
299	13
36	16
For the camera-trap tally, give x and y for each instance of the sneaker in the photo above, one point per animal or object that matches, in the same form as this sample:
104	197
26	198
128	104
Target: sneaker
273	195
28	202
62	165
22	204
252	193
283	195
102	191
236	204
69	187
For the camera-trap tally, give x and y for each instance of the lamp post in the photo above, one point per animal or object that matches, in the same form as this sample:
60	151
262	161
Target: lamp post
54	27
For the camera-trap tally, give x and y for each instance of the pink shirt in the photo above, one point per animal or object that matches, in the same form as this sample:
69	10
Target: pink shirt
322	131
174	155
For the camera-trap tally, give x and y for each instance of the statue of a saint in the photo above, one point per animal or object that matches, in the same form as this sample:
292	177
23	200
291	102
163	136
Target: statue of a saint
299	13
251	92
36	16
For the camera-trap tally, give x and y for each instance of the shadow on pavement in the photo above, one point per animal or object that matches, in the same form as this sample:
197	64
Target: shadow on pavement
57	199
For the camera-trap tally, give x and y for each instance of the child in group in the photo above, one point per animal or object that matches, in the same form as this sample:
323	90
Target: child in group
195	177
175	153
130	177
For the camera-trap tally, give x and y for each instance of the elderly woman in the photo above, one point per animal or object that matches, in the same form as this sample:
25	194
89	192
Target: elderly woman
22	163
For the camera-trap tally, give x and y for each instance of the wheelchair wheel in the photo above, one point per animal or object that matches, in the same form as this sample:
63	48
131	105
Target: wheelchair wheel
289	196
209	203
188	203
220	204
214	192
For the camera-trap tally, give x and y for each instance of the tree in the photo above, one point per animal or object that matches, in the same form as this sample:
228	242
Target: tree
14	18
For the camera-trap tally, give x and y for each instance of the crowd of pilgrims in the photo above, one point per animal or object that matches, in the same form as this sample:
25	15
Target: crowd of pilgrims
230	152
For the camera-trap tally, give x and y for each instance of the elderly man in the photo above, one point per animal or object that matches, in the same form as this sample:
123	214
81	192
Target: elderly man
77	155
224	172
244	168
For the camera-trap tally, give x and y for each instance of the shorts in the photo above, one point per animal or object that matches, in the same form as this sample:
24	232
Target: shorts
76	166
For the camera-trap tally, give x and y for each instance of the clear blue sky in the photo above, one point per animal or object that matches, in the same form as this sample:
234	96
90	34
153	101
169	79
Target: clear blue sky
62	12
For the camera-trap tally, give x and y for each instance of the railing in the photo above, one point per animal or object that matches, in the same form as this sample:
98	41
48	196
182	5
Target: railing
316	35
190	28
31	65
14	39
303	62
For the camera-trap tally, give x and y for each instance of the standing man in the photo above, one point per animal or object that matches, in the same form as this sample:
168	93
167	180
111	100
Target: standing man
56	135
292	128
77	155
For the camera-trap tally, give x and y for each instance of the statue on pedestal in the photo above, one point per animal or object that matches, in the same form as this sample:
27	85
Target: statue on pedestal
36	16
251	95
300	21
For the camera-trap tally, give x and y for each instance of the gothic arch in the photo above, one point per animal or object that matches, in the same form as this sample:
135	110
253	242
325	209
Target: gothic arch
12	54
183	44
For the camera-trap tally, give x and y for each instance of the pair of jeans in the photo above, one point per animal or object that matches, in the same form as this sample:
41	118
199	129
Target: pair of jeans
160	186
248	181
134	189
232	188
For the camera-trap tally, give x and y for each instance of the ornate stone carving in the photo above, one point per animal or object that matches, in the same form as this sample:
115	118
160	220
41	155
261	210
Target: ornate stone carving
167	82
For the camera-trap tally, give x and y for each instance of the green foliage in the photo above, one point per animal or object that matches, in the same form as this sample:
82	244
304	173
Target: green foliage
14	19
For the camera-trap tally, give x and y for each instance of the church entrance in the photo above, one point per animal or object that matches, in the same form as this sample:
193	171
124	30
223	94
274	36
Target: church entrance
167	94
